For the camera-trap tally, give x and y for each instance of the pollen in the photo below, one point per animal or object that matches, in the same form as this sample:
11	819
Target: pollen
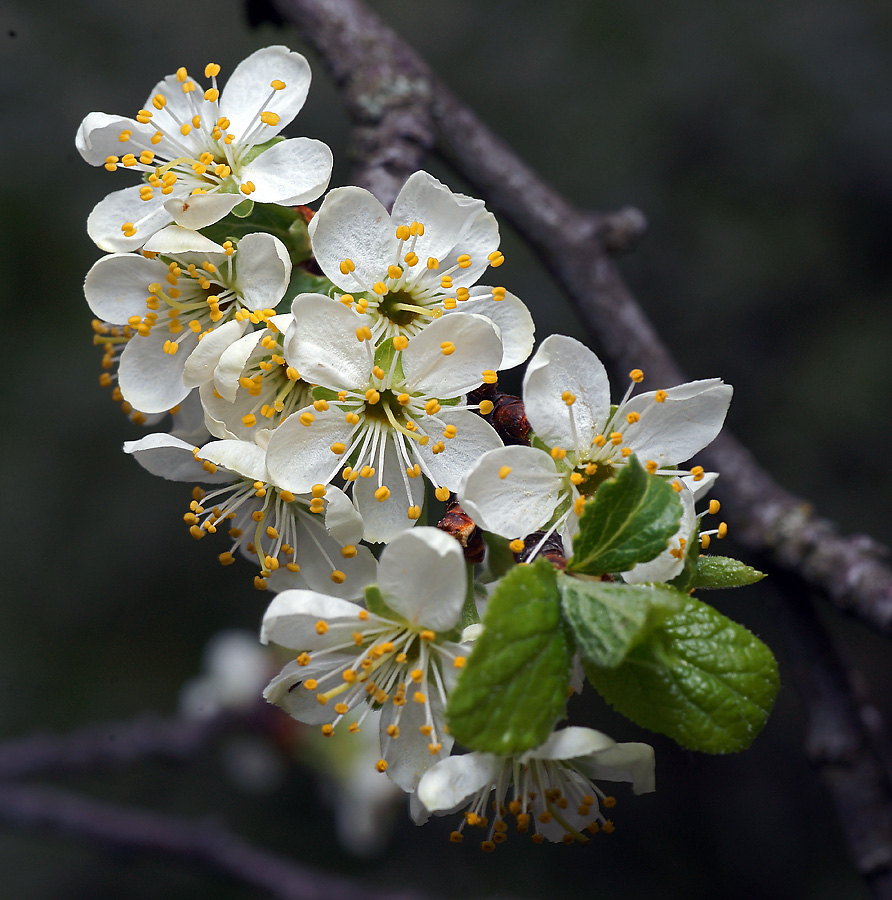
338	577
400	342
448	348
504	472
516	546
633	417
489	376
321	626
442	494
381	765
660	396
714	506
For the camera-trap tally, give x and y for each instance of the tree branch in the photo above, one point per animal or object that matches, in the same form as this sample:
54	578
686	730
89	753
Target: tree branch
393	95
201	844
839	746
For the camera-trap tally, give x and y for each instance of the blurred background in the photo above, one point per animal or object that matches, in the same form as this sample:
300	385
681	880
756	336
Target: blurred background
757	138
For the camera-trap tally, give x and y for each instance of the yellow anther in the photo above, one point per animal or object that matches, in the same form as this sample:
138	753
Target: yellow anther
306	419
558	453
414	512
226	559
351	418
269	118
427	635
449	432
489	376
411	259
157	137
446	282
568	398
462	294
660	396
318	490
722	530
633	417
321	627
442	494
292	374
188	87
378	372
438	447
338	577
248	188
249	421
636	375
486	407
651	466
433	263
372	396
626	452
110	163
394	272
413	471
419	697
705	541
432	407
277	85
579	505
576	478
504	472
366	472
516	546
382	494
498	294
714	506
400	342
185	128
125	135
616	438
496	258
338	447
416	229
402	233
347	266
677	486
381	765
698	473
287	496
464	261
363	333
129	229
320	405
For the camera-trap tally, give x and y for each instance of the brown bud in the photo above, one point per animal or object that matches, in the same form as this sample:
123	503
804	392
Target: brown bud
552	549
461	526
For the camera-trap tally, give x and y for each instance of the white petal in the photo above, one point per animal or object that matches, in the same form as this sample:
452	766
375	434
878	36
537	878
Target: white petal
244	95
176	239
232	363
173	459
342	520
513	319
569	743
150	379
243	457
188	420
262	270
352	224
98	137
632	762
109	214
684	423
521	502
116	286
290	620
450	783
478	347
289	173
665	567
203	359
422	575
196	211
322	344
564	364
474	437
179	108
702	486
287	690
300	456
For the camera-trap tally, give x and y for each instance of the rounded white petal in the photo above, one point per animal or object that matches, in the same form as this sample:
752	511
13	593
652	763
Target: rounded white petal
188	420
289	173
478	348
104	224
232	363
202	361
683	424
352	224
262	270
513	319
300	456
564	364
98	137
176	239
243	457
179	108
194	211
569	743
287	690
322	345
150	379
474	436
342	520
116	286
632	762
422	576
171	458
512	491
702	486
451	782
247	90
291	619
318	554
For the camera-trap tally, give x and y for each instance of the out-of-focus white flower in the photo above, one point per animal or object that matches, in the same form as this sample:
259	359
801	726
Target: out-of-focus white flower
349	656
203	151
406	268
551	788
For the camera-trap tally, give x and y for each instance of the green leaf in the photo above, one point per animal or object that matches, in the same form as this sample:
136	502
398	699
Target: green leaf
608	619
723	572
285	223
513	688
700	678
374	601
630	520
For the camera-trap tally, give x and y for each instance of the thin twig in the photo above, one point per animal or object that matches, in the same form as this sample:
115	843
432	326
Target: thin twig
201	844
384	82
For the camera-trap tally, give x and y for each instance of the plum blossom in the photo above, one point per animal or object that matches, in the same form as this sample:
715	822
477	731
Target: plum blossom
401	659
388	415
513	491
201	151
182	304
299	540
406	268
552	788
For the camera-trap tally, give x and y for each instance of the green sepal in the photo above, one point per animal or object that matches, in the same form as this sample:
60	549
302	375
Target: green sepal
244	209
513	688
374	602
703	680
323	393
283	222
609	619
500	558
469	614
629	521
716	572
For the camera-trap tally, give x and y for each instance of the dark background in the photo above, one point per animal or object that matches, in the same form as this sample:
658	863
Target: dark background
755	136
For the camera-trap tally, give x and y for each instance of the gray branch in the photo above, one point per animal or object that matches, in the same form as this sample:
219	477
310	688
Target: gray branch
400	109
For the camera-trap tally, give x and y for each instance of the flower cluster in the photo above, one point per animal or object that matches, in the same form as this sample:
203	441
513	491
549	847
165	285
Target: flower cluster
325	418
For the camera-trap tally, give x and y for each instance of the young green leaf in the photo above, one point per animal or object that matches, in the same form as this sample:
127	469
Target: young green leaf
630	520
608	619
513	688
700	678
723	572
